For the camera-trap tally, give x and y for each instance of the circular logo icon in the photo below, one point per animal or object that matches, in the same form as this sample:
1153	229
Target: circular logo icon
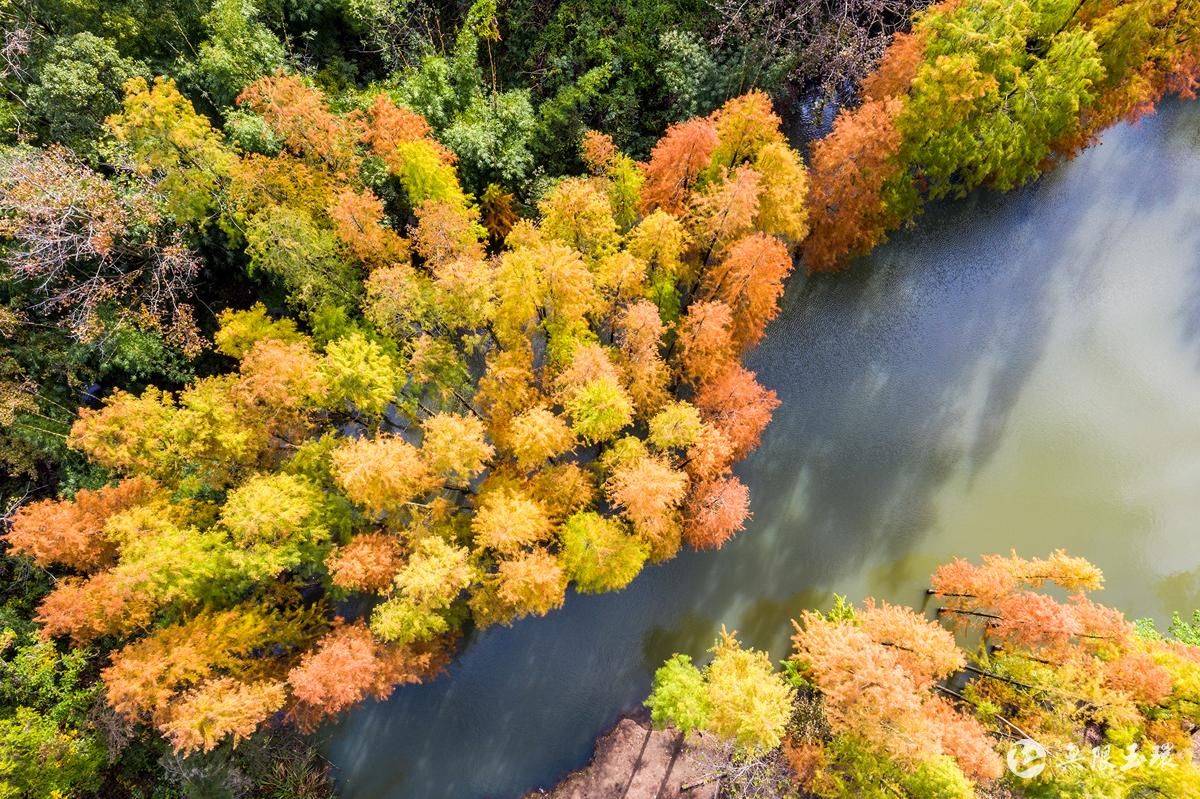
1027	758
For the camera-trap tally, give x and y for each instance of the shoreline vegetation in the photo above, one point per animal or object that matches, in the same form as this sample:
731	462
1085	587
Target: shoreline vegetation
333	331
996	689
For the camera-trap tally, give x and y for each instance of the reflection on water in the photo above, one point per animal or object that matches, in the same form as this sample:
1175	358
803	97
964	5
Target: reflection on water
1020	371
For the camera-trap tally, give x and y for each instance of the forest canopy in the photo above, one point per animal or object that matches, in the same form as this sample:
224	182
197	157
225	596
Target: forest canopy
462	437
333	331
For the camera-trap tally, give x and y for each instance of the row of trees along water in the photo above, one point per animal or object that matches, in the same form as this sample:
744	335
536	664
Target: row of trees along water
879	701
477	384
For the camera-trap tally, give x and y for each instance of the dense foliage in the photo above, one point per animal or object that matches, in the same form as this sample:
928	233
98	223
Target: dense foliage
494	429
879	701
333	329
989	93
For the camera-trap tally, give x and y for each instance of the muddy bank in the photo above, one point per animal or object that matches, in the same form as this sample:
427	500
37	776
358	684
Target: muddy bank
635	761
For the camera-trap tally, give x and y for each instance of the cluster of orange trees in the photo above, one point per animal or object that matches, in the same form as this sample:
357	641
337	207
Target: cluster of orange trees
462	435
880	701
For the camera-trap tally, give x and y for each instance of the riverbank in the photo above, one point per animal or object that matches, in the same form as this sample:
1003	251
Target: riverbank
635	761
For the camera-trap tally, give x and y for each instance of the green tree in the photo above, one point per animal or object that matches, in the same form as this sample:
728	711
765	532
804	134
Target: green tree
738	696
238	50
680	698
77	87
48	746
599	555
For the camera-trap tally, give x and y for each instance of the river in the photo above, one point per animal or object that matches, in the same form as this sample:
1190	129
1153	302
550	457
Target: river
1018	371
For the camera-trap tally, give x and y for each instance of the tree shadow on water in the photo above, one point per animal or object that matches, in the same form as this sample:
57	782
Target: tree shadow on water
892	377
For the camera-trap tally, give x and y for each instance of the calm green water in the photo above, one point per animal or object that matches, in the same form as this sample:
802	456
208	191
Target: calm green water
1018	372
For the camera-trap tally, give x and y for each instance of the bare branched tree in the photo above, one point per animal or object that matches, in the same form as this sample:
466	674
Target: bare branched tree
17	42
825	45
400	32
85	245
745	776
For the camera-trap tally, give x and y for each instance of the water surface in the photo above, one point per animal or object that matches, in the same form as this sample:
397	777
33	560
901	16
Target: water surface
1017	372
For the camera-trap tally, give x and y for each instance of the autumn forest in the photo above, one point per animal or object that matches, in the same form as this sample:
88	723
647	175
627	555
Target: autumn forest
339	334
